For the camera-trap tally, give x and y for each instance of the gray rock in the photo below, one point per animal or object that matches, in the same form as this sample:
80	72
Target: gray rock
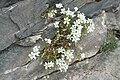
7	31
15	63
29	41
6	3
25	20
30	30
95	8
77	3
28	17
91	43
118	17
101	67
110	21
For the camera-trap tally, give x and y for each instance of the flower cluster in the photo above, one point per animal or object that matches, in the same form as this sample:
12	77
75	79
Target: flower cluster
48	41
52	13
66	55
70	28
35	52
49	65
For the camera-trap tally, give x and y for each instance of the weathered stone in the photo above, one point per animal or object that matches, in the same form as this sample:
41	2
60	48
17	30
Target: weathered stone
7	31
95	8
110	21
28	17
29	41
20	67
118	17
76	3
100	67
23	14
91	43
6	3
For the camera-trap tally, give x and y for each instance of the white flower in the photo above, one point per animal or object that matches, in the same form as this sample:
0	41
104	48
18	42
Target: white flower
90	29
81	16
77	22
59	5
32	55
82	55
56	24
61	50
54	11
69	36
63	11
75	39
59	62
63	67
49	65
35	52
91	26
70	13
36	48
48	41
66	20
69	55
46	65
75	31
50	15
63	57
76	9
79	28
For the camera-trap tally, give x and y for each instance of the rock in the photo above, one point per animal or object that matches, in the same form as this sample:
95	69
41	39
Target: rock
23	14
7	31
95	8
92	42
30	30
6	3
101	67
22	25
117	16
76	3
15	60
28	17
29	41
110	21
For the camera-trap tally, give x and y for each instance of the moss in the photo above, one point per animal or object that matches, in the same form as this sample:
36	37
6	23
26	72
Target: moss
110	43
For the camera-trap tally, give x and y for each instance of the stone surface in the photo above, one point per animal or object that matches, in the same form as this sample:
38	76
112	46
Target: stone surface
7	31
92	42
14	60
21	23
21	20
118	17
29	41
95	8
101	67
28	17
6	3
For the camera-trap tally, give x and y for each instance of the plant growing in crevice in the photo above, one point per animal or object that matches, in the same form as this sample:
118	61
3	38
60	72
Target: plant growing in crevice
71	25
110	43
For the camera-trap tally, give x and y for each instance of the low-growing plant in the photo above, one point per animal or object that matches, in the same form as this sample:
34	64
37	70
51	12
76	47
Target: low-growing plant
70	26
110	43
